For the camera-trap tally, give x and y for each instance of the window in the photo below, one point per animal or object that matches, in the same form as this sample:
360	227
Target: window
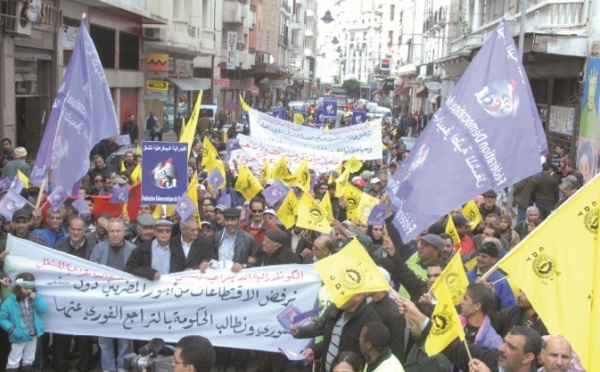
392	11
129	51
69	37
104	39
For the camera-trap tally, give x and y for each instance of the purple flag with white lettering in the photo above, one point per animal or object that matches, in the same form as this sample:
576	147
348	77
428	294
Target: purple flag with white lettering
377	216
215	178
120	195
57	197
275	192
81	207
124	140
487	135
11	202
185	208
82	115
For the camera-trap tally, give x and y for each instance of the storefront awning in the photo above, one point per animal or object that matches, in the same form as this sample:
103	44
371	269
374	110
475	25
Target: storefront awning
191	84
403	92
421	92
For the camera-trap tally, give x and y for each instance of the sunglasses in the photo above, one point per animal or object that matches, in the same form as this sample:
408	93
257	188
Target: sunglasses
258	210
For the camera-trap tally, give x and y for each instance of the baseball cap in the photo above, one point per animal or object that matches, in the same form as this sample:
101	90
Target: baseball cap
460	220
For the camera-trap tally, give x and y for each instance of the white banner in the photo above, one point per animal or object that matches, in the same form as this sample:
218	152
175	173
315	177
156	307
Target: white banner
253	151
232	310
361	140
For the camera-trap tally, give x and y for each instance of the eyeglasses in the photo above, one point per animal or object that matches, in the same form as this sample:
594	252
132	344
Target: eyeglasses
163	231
258	210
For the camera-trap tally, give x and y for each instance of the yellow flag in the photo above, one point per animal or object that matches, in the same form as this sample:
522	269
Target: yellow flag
302	176
451	230
471	264
352	195
122	168
288	210
340	184
182	129
326	204
311	215
472	213
24	178
247	184
136	174
445	324
298	118
330	179
192	193
353	164
350	271
280	170
264	171
554	267
244	105
594	363
208	151
138	150
124	210
365	206
455	278
157	212
189	133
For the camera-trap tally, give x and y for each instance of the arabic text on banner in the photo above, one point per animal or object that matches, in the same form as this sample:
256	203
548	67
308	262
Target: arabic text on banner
232	310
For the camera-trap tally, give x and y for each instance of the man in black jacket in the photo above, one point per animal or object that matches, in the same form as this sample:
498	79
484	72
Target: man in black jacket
523	314
155	257
193	247
340	328
275	251
130	127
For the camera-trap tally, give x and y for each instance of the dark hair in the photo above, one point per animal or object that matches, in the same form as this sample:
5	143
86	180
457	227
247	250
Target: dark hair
74	218
493	215
386	263
198	352
258	199
436	262
378	335
17	289
497	232
445	236
6	139
483	294
425	308
546	166
533	340
349	357
436	228
96	157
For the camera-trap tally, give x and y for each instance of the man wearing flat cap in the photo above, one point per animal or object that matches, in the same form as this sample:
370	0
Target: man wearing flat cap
18	163
429	248
232	244
144	228
489	204
155	257
487	256
275	250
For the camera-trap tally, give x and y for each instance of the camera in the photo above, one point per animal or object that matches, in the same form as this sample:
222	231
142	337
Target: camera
154	357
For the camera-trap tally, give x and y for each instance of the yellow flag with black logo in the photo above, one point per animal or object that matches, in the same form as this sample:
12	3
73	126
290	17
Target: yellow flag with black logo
280	170
138	150
353	164
352	195
24	178
264	171
247	184
365	206
340	183
288	210
302	176
208	151
189	133
555	265
472	213
311	215
192	193
326	204
349	272
445	324
455	277
136	173
451	230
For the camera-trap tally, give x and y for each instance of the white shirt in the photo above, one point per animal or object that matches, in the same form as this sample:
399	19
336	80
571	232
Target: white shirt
186	247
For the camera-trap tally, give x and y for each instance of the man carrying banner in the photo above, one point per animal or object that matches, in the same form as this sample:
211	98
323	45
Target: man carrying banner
195	248
155	257
113	252
257	225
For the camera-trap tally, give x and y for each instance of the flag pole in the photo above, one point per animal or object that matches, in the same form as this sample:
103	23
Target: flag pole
40	194
468	351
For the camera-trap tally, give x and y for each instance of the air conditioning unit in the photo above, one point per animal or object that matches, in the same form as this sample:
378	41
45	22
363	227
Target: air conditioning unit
155	34
17	21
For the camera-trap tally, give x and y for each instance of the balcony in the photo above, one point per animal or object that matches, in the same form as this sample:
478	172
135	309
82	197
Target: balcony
284	7
233	12
311	14
207	39
309	53
309	33
181	36
295	25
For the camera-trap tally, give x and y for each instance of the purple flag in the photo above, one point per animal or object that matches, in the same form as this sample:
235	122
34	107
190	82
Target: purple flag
81	207
377	216
487	135
359	116
124	140
225	199
4	183
17	185
330	108
57	198
11	202
185	207
232	144
275	192
82	114
120	195
215	178
286	317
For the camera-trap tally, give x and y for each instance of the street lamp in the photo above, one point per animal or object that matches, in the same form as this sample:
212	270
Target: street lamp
327	18
335	41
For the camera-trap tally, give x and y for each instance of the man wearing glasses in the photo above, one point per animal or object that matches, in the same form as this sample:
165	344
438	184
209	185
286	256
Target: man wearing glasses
155	257
193	354
257	225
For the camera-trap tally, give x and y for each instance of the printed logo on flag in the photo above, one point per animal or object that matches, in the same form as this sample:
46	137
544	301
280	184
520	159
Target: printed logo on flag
164	175
453	282
591	219
352	203
316	215
499	99
351	277
544	265
164	172
442	322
